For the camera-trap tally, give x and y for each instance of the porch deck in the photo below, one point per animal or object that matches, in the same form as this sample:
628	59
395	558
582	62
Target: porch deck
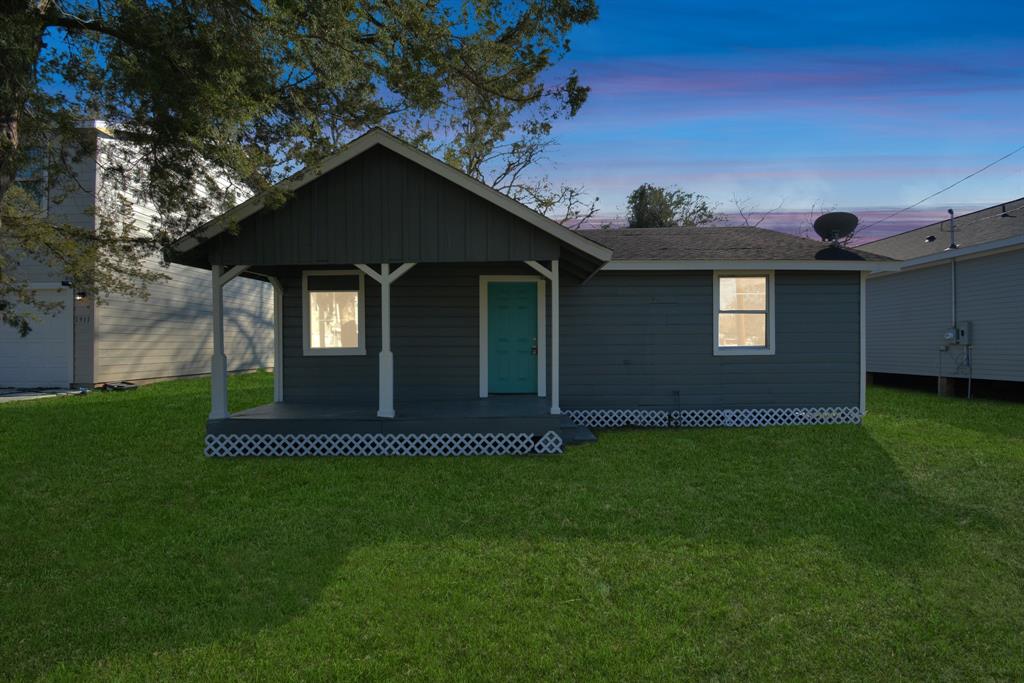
495	413
498	424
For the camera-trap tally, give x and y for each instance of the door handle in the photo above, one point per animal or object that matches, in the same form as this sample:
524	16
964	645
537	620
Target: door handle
533	349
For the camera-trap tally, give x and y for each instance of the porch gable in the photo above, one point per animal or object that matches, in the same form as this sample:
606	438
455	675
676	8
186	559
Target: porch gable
383	201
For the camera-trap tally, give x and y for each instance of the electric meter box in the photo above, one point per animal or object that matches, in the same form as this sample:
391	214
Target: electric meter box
961	334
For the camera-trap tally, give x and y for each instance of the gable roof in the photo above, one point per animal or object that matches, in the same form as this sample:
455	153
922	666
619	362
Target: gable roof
993	225
375	137
733	245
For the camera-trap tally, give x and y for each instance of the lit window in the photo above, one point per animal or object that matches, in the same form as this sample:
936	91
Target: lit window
742	315
333	313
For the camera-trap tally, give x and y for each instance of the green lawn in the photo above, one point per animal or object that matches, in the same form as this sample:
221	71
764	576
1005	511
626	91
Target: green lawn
893	549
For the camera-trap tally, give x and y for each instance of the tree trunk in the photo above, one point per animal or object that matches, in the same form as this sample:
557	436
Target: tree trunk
21	25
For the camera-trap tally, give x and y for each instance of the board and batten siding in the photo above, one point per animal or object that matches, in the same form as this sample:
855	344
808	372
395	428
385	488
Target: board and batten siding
380	207
908	313
629	340
634	340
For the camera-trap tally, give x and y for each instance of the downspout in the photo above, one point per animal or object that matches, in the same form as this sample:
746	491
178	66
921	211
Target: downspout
952	273
952	266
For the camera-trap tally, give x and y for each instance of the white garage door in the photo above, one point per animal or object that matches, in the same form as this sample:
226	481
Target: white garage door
43	358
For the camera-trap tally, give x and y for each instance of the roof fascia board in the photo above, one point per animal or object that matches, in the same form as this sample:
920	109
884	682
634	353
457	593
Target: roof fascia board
762	264
375	137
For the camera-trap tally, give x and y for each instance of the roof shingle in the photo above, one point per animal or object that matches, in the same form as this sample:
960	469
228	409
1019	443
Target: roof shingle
718	244
979	227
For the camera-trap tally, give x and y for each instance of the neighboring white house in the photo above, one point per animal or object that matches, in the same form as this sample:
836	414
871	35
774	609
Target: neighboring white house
130	339
953	310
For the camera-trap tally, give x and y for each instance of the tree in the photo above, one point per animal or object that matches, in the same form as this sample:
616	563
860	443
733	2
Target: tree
215	99
650	206
753	218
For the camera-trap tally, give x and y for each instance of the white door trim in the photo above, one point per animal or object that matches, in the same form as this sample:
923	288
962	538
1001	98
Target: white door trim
542	346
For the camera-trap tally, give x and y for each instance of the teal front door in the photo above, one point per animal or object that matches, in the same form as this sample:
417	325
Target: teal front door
512	337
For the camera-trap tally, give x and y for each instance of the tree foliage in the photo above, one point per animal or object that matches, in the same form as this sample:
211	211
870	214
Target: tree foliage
216	99
650	206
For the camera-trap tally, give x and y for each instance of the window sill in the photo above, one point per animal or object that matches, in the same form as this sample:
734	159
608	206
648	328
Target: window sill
741	351
333	352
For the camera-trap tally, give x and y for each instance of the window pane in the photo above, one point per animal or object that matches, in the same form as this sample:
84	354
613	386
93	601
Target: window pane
743	293
742	329
334	320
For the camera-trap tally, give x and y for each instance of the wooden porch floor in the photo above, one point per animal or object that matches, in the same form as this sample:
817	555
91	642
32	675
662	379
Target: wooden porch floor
494	414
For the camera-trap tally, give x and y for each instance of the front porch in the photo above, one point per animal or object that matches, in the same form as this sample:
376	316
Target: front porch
416	310
489	426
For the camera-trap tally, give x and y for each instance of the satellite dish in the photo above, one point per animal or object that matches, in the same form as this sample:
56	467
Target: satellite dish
832	227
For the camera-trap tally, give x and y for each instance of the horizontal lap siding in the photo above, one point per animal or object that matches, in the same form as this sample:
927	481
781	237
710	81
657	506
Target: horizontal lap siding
434	337
642	339
990	297
381	207
351	379
909	312
628	340
170	333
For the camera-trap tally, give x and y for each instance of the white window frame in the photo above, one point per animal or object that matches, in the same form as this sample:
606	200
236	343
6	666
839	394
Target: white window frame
360	349
768	350
542	333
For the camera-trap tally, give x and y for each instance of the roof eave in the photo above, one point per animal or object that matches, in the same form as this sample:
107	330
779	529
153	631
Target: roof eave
963	252
752	264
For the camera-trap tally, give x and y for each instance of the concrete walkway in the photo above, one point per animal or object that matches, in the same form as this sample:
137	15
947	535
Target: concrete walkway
10	395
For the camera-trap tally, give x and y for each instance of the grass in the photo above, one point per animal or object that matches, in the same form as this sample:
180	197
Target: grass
890	550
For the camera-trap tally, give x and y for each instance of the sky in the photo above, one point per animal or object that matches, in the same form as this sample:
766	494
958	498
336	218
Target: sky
865	107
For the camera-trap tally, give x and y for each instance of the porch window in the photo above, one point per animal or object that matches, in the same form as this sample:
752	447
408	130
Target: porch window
333	313
743	313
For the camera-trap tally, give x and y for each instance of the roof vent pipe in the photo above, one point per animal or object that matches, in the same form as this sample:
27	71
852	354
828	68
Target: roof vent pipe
952	232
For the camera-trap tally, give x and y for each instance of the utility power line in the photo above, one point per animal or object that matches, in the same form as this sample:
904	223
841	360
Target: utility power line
948	187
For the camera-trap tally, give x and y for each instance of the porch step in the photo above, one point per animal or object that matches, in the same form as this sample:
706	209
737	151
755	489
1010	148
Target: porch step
572	433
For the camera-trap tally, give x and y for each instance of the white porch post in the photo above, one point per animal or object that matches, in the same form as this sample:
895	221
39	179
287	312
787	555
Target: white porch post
386	361
556	408
863	345
219	362
278	340
386	380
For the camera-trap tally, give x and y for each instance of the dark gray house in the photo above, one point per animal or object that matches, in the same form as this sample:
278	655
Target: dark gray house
953	310
418	311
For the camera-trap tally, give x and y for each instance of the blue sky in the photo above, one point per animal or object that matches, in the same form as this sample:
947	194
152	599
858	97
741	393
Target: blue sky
858	106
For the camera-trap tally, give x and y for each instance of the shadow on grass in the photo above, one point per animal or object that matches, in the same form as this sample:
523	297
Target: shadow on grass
120	538
985	416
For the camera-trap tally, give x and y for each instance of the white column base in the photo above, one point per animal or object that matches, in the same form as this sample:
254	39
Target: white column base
218	386
386	363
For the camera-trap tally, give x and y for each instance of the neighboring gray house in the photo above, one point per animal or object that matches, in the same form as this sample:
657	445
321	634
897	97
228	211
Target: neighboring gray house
166	335
419	311
951	312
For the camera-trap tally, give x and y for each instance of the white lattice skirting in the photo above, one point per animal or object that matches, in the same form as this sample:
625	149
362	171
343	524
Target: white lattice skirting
218	445
748	417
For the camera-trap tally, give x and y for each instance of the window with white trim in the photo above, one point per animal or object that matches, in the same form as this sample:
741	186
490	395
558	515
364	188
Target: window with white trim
743	315
333	315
